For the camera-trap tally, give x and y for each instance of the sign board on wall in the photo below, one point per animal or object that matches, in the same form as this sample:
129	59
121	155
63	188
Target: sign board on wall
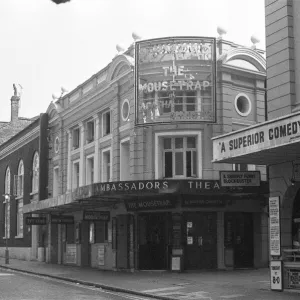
71	253
36	221
96	216
175	80
236	178
274	219
260	137
55	219
276	275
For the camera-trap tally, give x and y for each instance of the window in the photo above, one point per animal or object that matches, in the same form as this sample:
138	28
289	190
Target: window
90	170
106	166
19	218
76	138
35	172
242	105
183	102
7	181
98	232
106	119
125	159
90	131
55	181
125	110
6	205
19	180
180	157
75	180
243	167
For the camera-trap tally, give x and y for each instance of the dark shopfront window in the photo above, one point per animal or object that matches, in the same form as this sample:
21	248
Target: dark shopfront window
98	232
70	230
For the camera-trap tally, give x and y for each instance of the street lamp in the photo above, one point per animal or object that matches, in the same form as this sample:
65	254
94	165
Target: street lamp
7	198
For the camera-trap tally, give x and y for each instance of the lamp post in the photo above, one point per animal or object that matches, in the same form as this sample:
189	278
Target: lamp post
7	198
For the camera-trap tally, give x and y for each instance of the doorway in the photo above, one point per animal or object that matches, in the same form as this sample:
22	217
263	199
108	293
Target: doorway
238	237
153	241
201	240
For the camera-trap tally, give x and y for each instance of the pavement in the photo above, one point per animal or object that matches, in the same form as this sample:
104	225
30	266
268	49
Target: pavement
236	284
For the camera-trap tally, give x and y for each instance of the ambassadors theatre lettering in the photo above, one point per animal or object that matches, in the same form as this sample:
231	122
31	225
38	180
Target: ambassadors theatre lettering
175	80
275	133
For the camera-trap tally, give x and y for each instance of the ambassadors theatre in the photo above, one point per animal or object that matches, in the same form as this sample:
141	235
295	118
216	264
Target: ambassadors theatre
157	224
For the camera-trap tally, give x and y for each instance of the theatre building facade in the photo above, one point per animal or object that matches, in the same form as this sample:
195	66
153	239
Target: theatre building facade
130	174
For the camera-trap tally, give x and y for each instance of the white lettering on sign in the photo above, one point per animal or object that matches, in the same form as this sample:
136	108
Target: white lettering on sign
272	133
234	178
274	220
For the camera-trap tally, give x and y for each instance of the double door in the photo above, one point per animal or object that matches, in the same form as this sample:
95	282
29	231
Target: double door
201	240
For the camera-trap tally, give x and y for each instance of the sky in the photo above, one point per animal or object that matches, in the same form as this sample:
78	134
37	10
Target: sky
45	46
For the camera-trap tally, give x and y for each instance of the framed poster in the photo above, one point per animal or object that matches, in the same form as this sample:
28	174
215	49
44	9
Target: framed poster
71	253
274	219
276	275
101	255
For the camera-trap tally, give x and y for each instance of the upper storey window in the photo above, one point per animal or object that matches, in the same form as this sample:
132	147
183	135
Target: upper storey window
90	131
35	172
180	157
7	181
106	123
19	180
76	138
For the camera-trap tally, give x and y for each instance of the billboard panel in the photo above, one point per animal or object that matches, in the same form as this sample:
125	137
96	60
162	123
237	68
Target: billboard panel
175	80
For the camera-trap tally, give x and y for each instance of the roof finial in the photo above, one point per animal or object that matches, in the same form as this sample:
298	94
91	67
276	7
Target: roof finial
221	31
255	40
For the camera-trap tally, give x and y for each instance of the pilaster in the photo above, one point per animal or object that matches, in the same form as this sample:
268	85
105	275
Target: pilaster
96	157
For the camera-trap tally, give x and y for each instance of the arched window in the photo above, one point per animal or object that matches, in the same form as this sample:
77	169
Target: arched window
6	204
20	181
35	172
7	181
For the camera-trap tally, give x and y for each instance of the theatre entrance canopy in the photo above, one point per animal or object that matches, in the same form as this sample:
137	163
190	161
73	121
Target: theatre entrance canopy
272	142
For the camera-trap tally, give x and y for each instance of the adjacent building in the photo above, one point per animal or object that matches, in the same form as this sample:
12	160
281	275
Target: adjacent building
276	142
22	157
131	182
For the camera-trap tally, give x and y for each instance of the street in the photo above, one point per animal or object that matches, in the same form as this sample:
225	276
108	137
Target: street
16	286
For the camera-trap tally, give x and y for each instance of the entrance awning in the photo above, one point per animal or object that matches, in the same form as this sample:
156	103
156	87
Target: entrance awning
108	194
268	143
67	203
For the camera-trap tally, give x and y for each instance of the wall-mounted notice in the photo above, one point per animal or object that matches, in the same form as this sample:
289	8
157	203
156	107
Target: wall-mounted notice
71	253
276	275
274	219
101	255
176	263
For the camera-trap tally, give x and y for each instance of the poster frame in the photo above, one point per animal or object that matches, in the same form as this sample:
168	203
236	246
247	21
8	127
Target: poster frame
272	253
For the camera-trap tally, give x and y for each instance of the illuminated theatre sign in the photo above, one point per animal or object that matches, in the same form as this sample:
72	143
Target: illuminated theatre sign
175	80
271	134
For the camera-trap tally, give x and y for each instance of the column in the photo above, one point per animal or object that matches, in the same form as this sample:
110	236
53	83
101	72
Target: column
96	157
220	240
69	170
82	158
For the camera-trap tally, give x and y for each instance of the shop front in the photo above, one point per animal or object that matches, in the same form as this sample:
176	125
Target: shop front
274	143
157	225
